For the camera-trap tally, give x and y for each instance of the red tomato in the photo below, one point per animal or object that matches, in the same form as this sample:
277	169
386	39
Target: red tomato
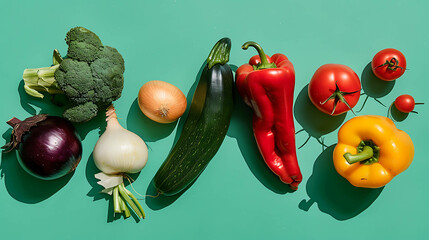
389	64
405	103
333	87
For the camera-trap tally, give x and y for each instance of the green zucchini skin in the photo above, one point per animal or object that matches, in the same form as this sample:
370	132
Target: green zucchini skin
203	131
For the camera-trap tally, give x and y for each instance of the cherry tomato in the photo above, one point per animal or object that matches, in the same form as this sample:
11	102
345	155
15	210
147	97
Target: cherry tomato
405	103
334	89
389	64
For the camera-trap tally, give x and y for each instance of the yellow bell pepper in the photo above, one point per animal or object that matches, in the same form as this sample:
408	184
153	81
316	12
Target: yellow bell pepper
371	151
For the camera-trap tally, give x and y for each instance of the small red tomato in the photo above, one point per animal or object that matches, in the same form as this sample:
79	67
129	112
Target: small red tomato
389	64
405	103
334	89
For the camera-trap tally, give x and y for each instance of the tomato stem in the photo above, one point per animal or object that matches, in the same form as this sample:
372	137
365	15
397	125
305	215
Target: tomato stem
339	96
392	64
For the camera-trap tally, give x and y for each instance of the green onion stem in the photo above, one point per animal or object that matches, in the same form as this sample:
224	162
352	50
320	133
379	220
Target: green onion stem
125	209
130	202
116	200
135	200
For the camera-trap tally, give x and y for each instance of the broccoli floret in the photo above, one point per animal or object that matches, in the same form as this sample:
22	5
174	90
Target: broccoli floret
91	76
81	113
108	69
84	45
75	79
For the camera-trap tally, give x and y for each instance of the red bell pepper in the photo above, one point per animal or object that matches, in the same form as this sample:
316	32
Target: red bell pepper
267	84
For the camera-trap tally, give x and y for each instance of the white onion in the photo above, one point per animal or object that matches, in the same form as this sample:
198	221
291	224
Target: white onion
117	152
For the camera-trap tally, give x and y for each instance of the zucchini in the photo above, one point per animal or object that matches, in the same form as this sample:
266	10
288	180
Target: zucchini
205	126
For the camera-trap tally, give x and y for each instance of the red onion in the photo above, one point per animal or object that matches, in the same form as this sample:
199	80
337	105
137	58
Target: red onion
48	147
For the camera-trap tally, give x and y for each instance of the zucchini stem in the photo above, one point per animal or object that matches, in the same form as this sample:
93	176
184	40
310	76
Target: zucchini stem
219	53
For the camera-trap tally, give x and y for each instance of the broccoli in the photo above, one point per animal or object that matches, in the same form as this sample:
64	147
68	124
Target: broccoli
91	76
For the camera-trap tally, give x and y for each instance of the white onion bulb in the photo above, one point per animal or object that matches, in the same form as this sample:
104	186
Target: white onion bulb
119	150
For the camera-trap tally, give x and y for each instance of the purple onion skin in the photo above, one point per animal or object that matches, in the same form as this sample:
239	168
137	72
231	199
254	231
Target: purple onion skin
51	149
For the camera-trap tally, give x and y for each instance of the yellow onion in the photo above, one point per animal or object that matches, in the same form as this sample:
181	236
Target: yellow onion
161	101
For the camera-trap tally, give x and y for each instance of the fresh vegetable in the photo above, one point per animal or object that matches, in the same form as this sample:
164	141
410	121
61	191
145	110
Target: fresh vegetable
161	101
267	84
90	77
205	126
116	153
371	151
389	64
48	147
334	89
405	103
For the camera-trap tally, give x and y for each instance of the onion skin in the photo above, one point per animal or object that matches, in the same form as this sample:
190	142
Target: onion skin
161	101
122	144
51	149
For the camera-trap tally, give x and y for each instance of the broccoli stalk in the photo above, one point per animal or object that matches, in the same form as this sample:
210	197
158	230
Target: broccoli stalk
38	80
90	77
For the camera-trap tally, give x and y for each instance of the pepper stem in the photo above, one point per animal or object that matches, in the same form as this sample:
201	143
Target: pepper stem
368	153
219	53
264	62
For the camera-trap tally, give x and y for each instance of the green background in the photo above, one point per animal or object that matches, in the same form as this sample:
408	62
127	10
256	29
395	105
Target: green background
236	197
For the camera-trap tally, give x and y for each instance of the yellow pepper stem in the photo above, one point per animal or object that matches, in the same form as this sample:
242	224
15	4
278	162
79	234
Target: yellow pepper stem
368	153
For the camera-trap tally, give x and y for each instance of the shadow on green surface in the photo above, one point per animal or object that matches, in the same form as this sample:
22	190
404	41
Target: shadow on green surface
147	129
333	194
373	87
189	97
156	201
90	171
233	67
23	186
312	120
96	189
241	129
45	105
397	115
